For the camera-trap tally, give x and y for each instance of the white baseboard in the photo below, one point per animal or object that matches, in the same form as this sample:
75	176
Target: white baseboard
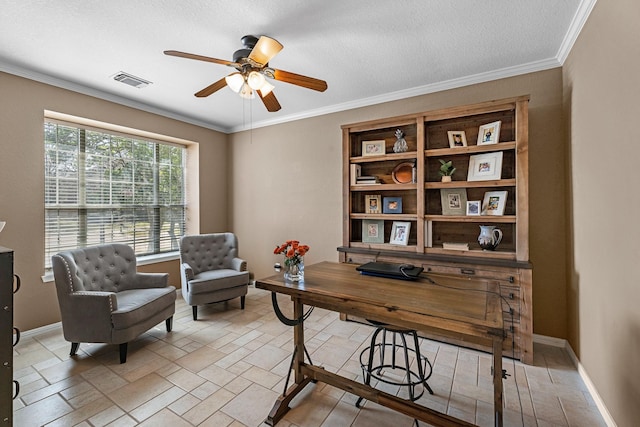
562	343
552	341
41	329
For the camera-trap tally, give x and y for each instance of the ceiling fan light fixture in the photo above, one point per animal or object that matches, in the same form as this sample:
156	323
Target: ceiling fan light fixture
255	80
266	88
246	92
265	49
235	82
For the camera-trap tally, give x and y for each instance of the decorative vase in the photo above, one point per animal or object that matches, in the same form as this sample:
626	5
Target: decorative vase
294	270
489	237
400	146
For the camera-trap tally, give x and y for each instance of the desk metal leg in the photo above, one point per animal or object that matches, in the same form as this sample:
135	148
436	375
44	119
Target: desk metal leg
497	381
281	407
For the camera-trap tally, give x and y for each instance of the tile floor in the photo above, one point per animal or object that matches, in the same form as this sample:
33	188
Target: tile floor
228	368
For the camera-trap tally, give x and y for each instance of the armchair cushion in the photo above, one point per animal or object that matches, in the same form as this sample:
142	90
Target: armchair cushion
216	280
137	305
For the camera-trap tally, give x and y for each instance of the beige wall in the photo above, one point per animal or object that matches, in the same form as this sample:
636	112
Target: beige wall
22	105
286	184
601	90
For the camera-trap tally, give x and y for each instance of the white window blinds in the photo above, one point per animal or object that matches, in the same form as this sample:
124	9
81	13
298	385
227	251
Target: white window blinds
103	187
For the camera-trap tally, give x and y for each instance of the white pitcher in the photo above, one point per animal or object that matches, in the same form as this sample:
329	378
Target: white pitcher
489	237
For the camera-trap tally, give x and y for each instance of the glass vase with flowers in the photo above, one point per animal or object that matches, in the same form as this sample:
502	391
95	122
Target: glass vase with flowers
294	254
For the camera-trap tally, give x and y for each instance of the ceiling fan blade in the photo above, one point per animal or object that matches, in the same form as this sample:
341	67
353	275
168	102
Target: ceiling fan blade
200	58
270	101
299	80
214	87
265	49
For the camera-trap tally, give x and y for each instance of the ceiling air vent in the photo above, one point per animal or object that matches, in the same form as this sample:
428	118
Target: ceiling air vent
131	80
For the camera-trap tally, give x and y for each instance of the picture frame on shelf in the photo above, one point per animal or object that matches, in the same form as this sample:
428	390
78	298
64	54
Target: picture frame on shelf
494	203
453	200
372	204
373	148
474	207
457	138
485	167
400	233
392	205
372	231
489	133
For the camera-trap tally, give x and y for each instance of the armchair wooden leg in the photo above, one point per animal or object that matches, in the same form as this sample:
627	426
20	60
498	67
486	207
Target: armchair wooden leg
123	352
169	323
74	348
195	312
242	302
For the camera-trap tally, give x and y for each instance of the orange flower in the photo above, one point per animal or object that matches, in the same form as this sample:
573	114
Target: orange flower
292	250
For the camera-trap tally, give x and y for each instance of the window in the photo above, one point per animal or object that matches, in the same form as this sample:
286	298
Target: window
103	187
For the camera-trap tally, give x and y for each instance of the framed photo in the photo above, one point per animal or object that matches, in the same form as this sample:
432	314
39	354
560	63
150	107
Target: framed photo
453	200
493	203
372	231
457	138
373	148
489	133
485	167
372	204
400	233
473	207
392	205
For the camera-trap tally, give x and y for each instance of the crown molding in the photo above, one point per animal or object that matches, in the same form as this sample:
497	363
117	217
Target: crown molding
96	93
408	93
507	72
579	19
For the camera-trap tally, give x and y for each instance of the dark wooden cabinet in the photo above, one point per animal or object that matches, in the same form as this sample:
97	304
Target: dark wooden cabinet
6	337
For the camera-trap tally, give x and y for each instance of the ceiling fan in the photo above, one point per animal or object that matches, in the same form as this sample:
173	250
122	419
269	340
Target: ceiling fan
252	69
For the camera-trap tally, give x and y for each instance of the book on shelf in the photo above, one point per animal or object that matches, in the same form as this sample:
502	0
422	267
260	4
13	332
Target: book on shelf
367	180
455	246
428	234
356	171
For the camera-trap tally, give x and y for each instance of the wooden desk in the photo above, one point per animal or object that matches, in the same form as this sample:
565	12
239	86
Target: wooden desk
472	312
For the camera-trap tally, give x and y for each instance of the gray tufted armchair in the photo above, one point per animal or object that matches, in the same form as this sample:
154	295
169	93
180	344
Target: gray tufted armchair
103	299
211	270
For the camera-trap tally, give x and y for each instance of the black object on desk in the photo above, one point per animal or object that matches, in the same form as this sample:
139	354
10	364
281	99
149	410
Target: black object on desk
392	271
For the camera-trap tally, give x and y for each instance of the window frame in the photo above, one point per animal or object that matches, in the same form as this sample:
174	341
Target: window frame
157	140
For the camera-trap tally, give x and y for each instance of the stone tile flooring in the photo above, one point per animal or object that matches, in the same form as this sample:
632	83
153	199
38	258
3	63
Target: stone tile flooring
227	369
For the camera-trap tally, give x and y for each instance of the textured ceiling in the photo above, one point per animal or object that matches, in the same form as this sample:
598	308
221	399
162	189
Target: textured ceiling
368	51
